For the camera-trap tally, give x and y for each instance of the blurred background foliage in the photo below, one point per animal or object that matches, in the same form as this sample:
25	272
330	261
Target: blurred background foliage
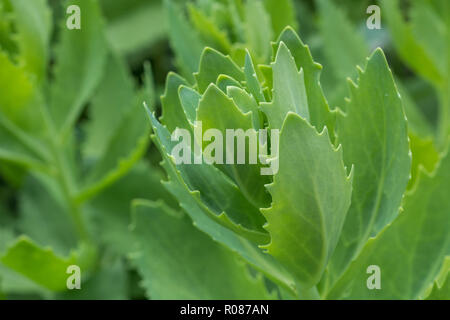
131	47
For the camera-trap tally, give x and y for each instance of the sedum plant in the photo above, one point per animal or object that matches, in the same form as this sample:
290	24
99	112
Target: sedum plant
338	205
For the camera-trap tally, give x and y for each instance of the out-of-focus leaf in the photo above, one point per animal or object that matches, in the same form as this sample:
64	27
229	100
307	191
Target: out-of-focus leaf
110	210
137	27
198	268
405	43
184	40
211	35
258	30
282	14
80	59
343	47
38	264
424	154
44	215
441	287
33	24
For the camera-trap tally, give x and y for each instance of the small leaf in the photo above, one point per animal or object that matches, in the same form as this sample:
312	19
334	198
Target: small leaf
173	115
319	111
289	93
212	65
38	264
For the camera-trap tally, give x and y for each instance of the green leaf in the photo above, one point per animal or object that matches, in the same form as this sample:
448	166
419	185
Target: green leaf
110	210
173	115
429	30
189	201
424	155
110	282
319	111
405	43
289	93
212	65
282	14
133	18
33	23
190	265
258	30
183	39
209	32
217	111
21	148
310	200
113	99
237	213
343	47
189	101
409	252
80	59
17	91
126	146
441	286
38	264
251	78
246	103
379	152
45	216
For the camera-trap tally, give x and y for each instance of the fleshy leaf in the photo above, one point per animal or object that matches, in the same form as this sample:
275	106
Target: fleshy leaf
410	251
74	82
49	270
310	199
282	14
195	269
237	213
33	22
184	40
173	115
212	65
289	93
217	111
258	30
379	152
441	286
218	232
319	111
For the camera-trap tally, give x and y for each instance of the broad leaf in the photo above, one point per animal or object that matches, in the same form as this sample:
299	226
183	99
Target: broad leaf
195	269
379	152
409	252
310	200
